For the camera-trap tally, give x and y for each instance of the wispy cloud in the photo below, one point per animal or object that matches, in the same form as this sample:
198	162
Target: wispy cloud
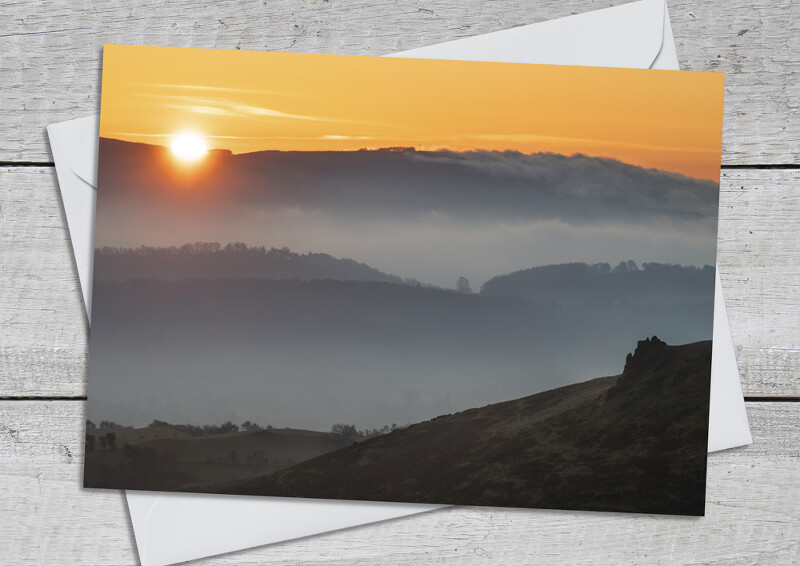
249	110
341	137
216	89
222	106
164	139
202	109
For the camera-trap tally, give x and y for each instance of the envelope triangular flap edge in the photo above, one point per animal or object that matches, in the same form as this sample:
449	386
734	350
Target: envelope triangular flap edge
80	134
630	35
69	142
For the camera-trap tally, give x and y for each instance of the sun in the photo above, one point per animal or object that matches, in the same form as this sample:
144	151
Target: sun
188	147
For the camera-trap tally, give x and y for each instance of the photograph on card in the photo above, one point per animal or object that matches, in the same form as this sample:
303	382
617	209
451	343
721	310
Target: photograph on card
403	280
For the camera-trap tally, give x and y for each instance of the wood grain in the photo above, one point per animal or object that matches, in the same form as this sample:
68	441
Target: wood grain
752	511
50	51
50	71
43	351
759	262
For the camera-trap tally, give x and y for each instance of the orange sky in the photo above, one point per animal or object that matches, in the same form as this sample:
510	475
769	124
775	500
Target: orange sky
249	101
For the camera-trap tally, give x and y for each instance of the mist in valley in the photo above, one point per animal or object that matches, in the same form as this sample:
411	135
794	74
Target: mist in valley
342	304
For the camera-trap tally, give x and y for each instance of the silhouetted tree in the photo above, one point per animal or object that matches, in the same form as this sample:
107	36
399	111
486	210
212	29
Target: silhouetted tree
248	426
111	440
228	426
462	285
90	424
344	434
112	425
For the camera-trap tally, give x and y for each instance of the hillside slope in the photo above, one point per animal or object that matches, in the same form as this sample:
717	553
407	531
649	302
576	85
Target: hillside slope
634	443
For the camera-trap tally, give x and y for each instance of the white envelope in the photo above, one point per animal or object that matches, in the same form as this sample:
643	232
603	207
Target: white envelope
176	527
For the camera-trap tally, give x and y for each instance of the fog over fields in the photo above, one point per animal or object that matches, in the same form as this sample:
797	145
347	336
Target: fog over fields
321	287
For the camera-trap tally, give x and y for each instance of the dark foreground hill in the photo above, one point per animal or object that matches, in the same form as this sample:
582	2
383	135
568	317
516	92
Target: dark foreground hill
633	443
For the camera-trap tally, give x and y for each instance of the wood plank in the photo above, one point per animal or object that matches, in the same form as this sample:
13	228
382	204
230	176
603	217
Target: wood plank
43	351
752	511
50	63
42	318
759	260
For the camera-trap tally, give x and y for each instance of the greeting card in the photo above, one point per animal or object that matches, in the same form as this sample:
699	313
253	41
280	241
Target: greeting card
403	280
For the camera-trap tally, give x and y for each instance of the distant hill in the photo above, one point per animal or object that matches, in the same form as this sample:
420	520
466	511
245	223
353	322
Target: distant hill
210	260
469	185
581	283
633	443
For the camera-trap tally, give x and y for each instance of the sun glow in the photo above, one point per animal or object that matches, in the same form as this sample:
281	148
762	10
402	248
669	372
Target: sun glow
671	120
188	147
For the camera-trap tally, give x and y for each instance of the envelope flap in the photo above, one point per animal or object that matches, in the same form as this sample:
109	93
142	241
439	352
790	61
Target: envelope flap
176	527
74	146
628	36
74	138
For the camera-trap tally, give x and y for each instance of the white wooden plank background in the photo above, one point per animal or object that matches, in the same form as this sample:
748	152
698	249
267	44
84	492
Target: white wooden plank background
50	51
49	71
41	462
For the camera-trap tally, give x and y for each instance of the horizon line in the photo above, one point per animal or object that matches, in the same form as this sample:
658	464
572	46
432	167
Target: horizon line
398	149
